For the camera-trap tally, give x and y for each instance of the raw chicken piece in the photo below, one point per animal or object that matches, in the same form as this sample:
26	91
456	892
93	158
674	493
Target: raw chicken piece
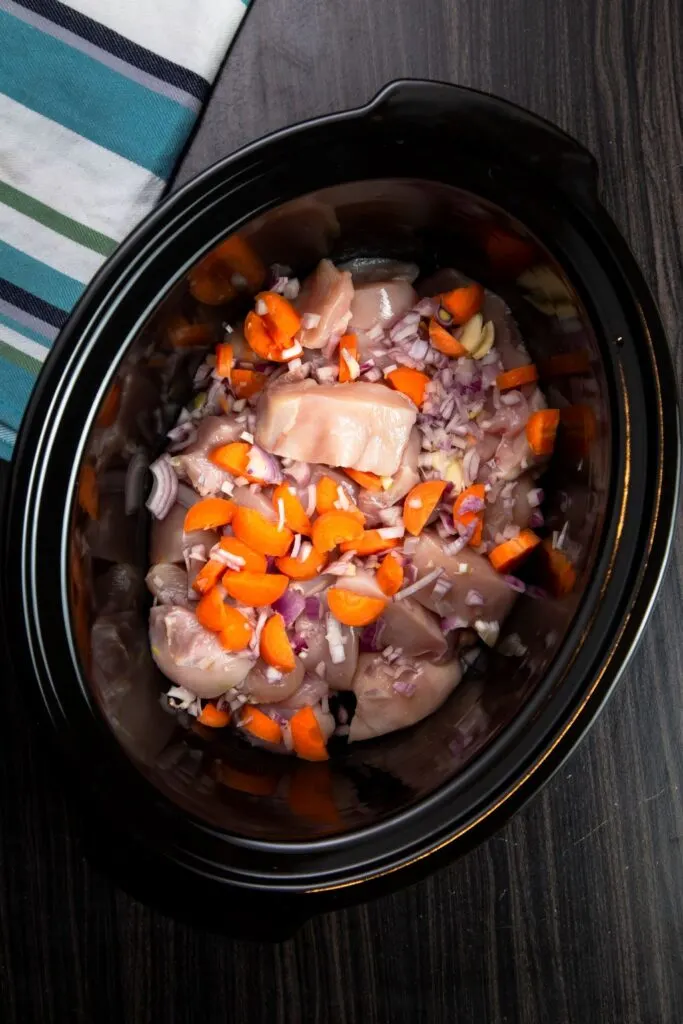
314	633
479	576
374	269
258	688
359	425
260	501
509	508
407	625
168	583
513	456
370	502
381	709
380	303
167	539
326	293
193	463
190	656
364	583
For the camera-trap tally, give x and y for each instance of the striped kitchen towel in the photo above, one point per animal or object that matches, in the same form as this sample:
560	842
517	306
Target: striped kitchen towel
97	99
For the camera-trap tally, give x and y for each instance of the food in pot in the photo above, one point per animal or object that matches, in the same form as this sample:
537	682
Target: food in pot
343	515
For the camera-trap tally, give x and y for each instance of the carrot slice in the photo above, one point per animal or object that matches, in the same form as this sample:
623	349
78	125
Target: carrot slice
560	571
225	359
255	589
463	303
183	334
240	258
254	561
307	736
467	518
420	503
210	281
275	648
211	610
295	514
260	725
333	528
246	383
390	575
259	340
237	632
370	542
88	491
348	344
209	514
327	496
565	364
517	378
511	553
208	576
541	428
213	718
369	481
234	458
259	534
409	382
302	568
281	319
354	609
109	409
443	341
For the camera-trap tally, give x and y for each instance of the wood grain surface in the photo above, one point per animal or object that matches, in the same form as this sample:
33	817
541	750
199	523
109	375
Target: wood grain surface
574	911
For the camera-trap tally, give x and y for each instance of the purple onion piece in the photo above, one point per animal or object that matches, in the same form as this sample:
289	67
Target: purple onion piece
313	608
370	638
164	488
290	606
453	622
515	584
404	687
474	598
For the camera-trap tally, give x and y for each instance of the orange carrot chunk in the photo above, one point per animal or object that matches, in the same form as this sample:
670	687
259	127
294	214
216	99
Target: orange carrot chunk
211	610
237	632
209	514
370	542
259	340
281	320
254	561
255	589
306	568
541	428
275	647
420	503
224	359
327	496
260	725
369	481
208	576
295	514
517	378
210	281
510	554
259	534
354	609
246	383
183	334
213	718
349	345
477	491
463	303
239	257
333	528
443	341
307	736
560	572
390	575
234	458
409	382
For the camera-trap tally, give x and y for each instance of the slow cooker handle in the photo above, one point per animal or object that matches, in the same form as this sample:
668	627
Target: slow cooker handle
470	118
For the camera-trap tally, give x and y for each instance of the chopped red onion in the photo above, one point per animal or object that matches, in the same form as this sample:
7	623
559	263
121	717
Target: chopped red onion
299	643
312	608
419	585
290	606
182	435
335	641
535	497
404	687
392	532
515	584
164	488
453	622
301	472
474	598
370	638
263	465
471	504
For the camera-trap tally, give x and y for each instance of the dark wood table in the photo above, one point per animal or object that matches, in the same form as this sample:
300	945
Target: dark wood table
574	911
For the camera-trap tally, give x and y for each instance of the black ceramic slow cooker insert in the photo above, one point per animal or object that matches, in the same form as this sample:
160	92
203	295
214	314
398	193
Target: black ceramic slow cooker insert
426	172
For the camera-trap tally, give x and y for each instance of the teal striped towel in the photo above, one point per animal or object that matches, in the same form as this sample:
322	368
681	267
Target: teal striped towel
97	99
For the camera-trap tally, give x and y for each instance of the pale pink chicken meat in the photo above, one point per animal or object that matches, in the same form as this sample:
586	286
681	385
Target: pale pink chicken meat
336	674
357	425
168	583
327	293
258	687
168	541
510	507
381	706
380	303
192	657
407	625
193	462
371	503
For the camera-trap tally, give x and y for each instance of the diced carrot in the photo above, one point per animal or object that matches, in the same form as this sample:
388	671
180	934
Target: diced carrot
109	409
311	794
409	382
246	383
282	320
369	481
307	736
463	303
246	782
182	334
349	344
237	632
255	589
517	378
275	647
209	514
390	575
88	491
560	571
210	281
420	503
565	364
213	718
579	427
333	528
240	258
254	561
211	610
370	542
208	576
260	534
295	514
510	554
509	254
354	609
541	428
327	496
302	568
259	340
467	518
234	458
225	359
260	725
443	341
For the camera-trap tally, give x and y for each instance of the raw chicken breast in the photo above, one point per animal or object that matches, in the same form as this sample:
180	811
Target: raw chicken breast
372	502
381	708
168	541
357	425
512	507
190	656
479	576
169	584
380	303
337	676
326	293
193	461
257	687
407	625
